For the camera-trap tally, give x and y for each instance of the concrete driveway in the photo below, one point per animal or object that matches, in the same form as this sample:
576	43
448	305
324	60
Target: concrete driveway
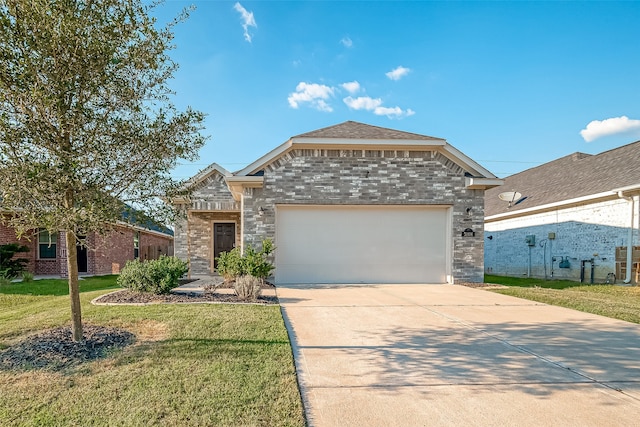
430	355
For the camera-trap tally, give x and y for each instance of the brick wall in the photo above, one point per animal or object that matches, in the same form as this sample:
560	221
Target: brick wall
105	255
112	251
108	254
581	232
201	239
52	266
160	245
212	194
352	177
209	195
8	235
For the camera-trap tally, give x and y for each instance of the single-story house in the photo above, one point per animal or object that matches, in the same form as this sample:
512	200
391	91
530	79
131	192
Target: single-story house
350	203
573	218
102	254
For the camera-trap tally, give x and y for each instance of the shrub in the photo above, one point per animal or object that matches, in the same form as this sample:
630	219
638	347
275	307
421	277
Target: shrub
253	263
256	264
157	276
247	287
11	267
229	264
4	281
27	277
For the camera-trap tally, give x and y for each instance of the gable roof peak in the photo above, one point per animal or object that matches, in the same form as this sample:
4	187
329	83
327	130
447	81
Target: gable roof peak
356	130
206	173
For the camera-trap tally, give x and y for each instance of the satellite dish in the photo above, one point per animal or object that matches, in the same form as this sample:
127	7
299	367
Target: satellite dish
513	197
509	196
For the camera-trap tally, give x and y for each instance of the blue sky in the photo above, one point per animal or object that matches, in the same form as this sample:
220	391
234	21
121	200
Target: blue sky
510	84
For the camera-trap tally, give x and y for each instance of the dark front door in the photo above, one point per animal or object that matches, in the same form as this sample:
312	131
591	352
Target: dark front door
224	239
82	256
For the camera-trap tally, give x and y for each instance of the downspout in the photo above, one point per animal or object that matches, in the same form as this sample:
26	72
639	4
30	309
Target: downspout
188	242
627	279
242	223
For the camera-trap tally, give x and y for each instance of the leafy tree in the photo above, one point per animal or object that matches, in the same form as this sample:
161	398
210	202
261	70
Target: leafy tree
86	119
11	267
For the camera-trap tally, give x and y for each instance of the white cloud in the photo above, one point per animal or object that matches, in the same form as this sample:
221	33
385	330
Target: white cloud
599	128
375	105
398	73
362	103
393	112
351	87
312	93
247	20
346	42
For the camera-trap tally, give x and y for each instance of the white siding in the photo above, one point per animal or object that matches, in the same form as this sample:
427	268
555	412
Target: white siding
582	232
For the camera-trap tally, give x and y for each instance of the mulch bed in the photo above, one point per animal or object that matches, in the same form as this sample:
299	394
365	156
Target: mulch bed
130	297
55	350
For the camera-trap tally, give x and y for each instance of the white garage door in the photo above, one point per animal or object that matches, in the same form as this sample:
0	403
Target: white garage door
361	244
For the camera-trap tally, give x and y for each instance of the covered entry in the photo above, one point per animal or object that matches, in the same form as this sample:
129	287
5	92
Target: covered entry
362	244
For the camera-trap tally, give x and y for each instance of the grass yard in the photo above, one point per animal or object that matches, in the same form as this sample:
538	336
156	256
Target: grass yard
615	301
192	365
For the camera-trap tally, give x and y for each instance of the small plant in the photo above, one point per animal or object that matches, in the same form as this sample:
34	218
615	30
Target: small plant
27	277
256	264
157	276
11	267
229	264
247	287
253	263
4	281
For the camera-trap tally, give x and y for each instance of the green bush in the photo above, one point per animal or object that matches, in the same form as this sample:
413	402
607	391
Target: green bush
247	288
11	267
157	276
229	264
27	277
253	263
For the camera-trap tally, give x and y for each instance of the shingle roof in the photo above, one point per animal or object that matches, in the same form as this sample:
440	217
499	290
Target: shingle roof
355	130
569	177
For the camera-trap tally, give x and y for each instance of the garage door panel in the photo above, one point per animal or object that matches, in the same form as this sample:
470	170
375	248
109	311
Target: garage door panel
355	244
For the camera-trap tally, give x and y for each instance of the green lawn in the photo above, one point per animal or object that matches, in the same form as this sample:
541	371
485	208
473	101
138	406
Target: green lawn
615	301
192	365
525	282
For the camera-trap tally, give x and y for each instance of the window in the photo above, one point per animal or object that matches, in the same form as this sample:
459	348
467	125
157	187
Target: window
136	245
47	244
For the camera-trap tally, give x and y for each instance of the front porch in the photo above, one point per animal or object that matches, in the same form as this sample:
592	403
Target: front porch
208	234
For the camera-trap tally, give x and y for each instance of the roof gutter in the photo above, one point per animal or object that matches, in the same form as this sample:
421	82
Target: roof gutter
478	183
630	200
552	206
236	184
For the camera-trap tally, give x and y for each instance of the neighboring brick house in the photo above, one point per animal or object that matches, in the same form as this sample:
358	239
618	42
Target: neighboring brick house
581	211
102	255
351	203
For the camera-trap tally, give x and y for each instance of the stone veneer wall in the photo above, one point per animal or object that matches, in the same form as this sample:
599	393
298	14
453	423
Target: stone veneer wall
201	236
363	177
580	232
212	194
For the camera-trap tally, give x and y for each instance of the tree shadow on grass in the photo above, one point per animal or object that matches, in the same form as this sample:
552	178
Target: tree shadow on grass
58	287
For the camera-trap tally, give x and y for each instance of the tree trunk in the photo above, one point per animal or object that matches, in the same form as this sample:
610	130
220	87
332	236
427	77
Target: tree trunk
74	291
72	272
